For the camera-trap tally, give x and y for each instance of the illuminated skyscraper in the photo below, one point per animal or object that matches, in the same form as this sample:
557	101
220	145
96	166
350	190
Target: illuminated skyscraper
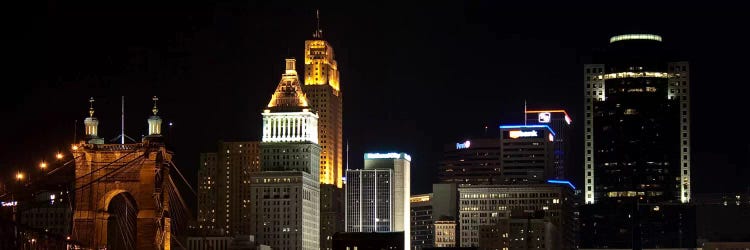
323	90
637	147
321	85
285	193
637	123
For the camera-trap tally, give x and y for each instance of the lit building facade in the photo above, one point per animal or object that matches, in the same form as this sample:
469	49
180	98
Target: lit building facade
224	187
483	207
472	162
285	208
637	123
527	153
369	195
445	233
561	123
422	221
637	147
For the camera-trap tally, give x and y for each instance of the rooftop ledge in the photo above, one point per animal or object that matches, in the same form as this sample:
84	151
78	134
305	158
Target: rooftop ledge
634	37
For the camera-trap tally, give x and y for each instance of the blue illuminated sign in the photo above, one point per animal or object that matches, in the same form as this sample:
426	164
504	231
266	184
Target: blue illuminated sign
529	126
466	144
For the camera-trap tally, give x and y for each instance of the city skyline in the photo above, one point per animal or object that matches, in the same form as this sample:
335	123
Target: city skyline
221	94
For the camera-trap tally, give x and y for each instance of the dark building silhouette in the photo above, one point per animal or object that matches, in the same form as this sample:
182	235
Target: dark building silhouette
475	161
368	241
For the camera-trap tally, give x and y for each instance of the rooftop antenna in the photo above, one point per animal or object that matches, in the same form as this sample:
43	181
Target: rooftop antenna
347	155
122	136
122	121
524	112
318	31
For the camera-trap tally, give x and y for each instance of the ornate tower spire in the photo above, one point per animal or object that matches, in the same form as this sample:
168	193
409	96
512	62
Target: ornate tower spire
91	107
154	122
91	125
155	109
288	95
287	117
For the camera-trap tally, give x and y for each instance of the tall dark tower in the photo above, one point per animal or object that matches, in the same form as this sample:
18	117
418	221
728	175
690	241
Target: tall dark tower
637	146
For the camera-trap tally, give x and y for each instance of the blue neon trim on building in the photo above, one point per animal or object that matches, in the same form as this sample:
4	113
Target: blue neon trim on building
562	182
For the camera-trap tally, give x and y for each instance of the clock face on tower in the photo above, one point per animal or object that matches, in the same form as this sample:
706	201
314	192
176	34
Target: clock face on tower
545	117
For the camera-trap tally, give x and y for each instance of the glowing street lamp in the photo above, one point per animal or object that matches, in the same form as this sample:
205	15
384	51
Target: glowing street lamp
75	147
19	176
43	165
59	156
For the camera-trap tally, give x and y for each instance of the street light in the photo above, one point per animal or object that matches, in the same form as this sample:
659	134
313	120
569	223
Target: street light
59	156
19	176
43	165
75	147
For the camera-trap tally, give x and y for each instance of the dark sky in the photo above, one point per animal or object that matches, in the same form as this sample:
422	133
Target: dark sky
414	76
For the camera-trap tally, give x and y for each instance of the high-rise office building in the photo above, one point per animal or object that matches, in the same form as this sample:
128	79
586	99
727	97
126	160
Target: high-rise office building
369	195
561	123
527	153
400	164
637	147
637	122
321	85
285	209
368	186
473	162
224	187
422	222
483	207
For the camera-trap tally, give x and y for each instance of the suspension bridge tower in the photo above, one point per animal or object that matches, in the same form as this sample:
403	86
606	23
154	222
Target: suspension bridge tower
122	191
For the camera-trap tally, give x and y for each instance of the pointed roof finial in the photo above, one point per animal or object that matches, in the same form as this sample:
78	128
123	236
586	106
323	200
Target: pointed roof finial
155	109
318	31
91	107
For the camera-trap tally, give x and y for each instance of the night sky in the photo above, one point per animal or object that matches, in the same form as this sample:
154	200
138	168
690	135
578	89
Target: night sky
414	76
